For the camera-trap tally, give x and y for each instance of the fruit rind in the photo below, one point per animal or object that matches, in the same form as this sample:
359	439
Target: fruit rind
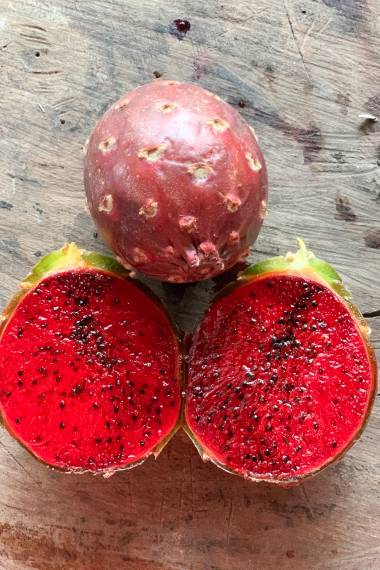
69	256
302	263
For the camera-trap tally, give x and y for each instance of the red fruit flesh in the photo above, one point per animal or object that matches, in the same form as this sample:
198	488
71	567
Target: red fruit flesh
89	372
175	181
280	379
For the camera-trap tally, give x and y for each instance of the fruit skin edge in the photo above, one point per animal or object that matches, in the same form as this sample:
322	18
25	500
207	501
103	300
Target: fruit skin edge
69	256
303	264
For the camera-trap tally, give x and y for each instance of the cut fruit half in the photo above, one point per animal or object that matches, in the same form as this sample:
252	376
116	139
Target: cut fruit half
281	374
89	365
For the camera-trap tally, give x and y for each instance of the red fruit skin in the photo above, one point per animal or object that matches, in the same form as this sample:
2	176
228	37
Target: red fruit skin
175	181
89	372
269	406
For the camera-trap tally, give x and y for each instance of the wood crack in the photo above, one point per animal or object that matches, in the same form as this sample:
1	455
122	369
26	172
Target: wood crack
372	314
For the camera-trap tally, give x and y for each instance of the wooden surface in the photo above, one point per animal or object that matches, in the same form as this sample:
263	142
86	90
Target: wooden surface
301	72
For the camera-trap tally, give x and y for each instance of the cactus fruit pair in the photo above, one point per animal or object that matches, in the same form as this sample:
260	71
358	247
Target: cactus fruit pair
279	382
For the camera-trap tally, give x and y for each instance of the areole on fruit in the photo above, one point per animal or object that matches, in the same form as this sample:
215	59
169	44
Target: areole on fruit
281	374
90	365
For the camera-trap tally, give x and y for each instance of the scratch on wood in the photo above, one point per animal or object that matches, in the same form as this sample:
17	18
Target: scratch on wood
306	37
35	27
323	28
309	507
295	40
229	519
20	464
191	485
51	72
160	537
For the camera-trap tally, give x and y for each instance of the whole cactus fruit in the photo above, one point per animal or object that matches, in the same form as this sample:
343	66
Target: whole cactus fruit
175	181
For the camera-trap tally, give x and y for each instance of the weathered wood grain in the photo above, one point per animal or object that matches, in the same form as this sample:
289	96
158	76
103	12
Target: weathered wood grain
301	73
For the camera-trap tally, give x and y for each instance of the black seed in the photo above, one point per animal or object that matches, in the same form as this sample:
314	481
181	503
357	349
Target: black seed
142	390
298	448
116	409
273	379
116	301
42	371
107	424
34	382
78	389
118	437
18	420
134	417
98	440
58	378
267	452
84	321
285	458
109	440
315	425
288	386
142	443
62	425
254	458
20	383
334	444
62	404
95	405
247	456
314	303
275	408
20	332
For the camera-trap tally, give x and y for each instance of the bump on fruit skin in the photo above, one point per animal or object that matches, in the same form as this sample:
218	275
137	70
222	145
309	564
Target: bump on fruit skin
262	399
76	326
169	167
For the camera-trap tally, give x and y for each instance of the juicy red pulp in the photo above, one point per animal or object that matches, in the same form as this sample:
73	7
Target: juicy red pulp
88	372
279	378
